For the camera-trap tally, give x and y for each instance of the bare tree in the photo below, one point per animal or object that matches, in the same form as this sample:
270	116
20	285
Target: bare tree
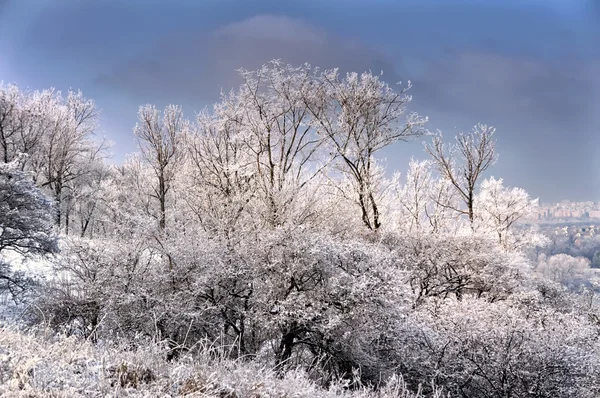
464	162
159	138
222	177
66	146
360	115
23	122
424	203
10	100
272	107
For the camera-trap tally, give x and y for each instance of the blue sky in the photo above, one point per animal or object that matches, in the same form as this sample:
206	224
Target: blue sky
530	68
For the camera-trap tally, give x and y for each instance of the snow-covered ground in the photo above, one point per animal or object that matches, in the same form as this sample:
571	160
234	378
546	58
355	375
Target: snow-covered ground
41	364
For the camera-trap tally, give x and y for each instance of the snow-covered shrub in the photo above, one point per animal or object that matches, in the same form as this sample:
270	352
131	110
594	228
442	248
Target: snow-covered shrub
516	347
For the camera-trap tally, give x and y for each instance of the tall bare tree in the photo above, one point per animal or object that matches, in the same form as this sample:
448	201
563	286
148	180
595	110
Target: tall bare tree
10	101
67	143
360	115
221	171
159	138
464	162
272	109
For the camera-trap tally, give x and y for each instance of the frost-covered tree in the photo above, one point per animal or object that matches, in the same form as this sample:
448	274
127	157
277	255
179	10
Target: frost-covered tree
11	103
26	226
271	110
499	209
565	269
464	162
360	114
88	198
159	139
55	133
23	121
66	147
221	174
424	203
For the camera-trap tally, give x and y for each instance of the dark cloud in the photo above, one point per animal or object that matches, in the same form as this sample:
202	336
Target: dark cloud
186	66
555	92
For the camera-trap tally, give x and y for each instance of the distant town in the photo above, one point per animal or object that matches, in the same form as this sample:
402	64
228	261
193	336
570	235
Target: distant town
566	211
572	228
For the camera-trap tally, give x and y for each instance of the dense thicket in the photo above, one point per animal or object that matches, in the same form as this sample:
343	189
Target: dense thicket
269	227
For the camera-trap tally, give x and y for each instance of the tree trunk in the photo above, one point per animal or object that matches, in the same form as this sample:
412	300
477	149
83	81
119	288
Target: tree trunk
285	349
162	198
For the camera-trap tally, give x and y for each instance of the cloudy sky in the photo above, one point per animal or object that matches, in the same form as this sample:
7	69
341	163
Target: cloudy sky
529	67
